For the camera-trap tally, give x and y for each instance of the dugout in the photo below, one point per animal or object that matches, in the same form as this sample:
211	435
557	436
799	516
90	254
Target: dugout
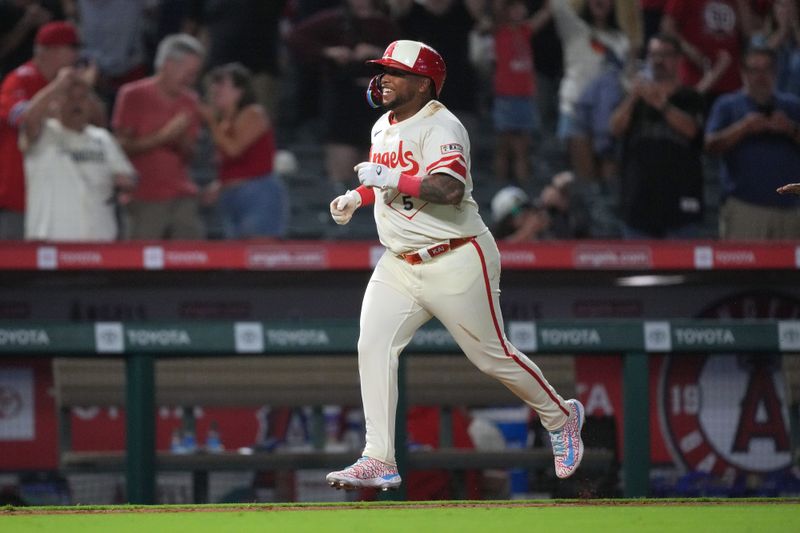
558	285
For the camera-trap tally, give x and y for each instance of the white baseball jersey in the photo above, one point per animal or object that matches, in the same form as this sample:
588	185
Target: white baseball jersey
69	181
432	141
460	287
457	284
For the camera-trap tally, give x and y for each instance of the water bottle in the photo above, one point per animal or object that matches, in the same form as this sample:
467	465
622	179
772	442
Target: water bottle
176	446
188	441
213	440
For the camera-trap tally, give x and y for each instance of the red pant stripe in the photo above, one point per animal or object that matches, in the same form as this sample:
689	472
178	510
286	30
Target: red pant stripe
501	337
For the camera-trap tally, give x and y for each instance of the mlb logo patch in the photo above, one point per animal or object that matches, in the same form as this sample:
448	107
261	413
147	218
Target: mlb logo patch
452	147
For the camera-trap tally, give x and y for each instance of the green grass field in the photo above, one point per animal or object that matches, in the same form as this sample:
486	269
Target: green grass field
728	516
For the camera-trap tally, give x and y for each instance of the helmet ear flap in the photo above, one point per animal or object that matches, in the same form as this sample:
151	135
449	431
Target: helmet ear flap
374	92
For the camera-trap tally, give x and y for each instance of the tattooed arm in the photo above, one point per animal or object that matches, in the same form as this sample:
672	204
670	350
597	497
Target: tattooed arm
441	189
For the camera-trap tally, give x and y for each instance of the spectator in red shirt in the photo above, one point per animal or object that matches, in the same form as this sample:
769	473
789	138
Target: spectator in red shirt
157	120
515	114
711	33
253	201
56	47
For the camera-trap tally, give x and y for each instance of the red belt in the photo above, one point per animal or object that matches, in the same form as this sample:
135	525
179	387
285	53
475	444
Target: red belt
415	258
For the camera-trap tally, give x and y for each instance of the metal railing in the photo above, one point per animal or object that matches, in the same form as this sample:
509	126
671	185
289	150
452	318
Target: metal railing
141	343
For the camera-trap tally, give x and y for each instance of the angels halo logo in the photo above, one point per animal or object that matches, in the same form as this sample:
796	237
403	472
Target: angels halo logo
726	414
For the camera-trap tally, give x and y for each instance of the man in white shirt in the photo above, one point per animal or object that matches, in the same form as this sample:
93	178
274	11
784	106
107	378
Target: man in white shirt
75	173
440	261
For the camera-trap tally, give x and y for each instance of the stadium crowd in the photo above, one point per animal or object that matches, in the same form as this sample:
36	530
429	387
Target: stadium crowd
160	119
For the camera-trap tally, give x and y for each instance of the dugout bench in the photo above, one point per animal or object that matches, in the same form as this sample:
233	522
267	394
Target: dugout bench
297	381
140	348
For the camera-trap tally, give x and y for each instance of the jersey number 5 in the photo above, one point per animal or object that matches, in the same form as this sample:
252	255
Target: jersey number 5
408	205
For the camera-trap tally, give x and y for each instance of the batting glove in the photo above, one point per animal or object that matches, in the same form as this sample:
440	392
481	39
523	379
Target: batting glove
377	175
343	207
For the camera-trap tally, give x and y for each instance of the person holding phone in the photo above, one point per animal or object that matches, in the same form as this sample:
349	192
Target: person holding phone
756	132
659	125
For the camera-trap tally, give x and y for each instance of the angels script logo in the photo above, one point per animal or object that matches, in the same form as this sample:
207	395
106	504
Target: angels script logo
402	159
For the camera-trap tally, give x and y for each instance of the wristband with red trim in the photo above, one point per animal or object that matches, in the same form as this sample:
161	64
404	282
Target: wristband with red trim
367	194
411	185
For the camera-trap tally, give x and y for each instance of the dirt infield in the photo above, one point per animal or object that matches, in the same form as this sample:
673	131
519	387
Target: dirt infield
283	507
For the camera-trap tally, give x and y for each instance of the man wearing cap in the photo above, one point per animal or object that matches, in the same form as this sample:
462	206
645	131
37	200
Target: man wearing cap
516	218
56	47
440	261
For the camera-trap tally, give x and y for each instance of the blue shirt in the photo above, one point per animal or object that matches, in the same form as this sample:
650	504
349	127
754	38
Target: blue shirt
759	164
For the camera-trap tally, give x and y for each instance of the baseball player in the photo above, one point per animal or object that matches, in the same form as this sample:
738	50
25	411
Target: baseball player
440	261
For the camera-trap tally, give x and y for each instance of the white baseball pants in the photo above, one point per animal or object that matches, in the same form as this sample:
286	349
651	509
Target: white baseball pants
461	289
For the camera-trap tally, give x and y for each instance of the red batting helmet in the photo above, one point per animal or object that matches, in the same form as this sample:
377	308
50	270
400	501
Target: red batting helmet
417	58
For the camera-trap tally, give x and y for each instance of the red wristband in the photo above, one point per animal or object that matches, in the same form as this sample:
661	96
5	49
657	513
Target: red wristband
410	185
367	195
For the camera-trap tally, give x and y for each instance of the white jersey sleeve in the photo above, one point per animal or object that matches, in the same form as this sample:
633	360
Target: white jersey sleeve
445	148
431	142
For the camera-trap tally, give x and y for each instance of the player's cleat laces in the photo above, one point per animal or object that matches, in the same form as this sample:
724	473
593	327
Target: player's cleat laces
364	473
567	443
